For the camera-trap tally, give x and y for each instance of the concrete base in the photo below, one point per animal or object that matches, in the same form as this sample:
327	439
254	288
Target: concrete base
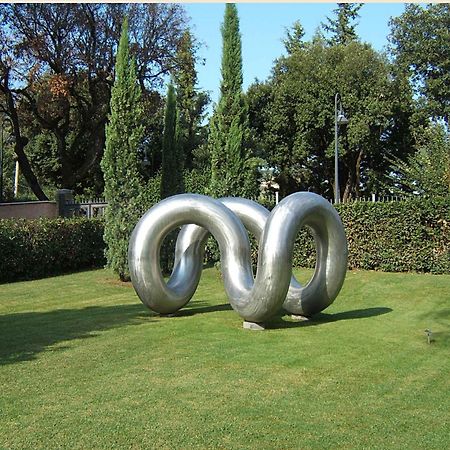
168	315
299	318
253	326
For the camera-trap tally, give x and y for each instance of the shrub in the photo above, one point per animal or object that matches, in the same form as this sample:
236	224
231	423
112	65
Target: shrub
411	235
42	247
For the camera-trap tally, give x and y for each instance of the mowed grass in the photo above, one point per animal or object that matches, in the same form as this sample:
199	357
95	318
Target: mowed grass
84	365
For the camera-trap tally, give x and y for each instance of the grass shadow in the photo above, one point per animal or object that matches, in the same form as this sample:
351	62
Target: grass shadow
321	318
24	335
201	307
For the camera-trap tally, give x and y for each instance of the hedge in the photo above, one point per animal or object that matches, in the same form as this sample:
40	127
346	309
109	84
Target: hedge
42	247
411	235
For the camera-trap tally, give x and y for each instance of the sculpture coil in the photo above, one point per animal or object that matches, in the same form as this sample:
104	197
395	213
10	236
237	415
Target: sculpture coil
255	299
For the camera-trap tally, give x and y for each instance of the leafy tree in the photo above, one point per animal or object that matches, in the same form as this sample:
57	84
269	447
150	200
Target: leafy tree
420	45
230	172
342	28
172	164
120	163
56	73
293	116
427	171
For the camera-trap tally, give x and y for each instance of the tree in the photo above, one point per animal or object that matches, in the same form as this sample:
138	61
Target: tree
294	38
293	116
56	73
420	45
427	171
120	163
172	164
230	173
190	101
341	28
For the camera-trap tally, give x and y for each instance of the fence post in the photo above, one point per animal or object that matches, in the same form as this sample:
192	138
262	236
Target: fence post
62	197
374	199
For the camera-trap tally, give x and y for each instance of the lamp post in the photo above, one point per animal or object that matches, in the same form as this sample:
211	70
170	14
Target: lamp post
339	119
4	119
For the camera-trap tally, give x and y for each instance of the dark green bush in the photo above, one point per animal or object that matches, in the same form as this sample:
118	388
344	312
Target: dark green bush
42	247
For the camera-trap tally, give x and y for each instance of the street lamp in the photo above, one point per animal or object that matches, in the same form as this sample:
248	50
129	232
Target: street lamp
339	119
4	119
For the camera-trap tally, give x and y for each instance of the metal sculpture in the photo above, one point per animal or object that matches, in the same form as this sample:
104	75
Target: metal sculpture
255	299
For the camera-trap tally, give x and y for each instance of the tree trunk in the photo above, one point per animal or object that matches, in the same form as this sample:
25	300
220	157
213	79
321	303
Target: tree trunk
26	169
20	142
358	172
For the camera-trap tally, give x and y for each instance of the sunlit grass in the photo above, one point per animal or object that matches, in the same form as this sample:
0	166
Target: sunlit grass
83	364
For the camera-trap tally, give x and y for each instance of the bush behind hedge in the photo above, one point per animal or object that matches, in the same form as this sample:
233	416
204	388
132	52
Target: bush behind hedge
42	247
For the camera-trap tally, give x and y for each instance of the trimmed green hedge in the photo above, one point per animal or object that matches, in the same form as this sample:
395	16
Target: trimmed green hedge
410	235
42	247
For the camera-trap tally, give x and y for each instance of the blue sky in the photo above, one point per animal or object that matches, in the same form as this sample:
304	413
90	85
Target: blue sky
263	27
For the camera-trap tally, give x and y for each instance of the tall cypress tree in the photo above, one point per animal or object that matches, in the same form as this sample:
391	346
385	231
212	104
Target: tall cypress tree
120	163
229	124
172	164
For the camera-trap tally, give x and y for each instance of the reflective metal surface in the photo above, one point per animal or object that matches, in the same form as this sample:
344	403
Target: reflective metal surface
255	300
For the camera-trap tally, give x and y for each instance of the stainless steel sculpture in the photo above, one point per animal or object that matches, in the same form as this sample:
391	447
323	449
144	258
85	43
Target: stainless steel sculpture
255	299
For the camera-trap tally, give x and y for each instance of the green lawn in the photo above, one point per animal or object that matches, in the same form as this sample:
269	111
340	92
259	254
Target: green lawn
83	364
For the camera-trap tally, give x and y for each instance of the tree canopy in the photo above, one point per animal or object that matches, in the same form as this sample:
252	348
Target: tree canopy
420	45
56	73
293	115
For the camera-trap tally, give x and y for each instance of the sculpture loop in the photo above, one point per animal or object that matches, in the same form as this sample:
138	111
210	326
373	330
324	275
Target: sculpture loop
255	300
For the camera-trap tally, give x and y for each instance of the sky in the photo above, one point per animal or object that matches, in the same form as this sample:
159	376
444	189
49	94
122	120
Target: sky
263	26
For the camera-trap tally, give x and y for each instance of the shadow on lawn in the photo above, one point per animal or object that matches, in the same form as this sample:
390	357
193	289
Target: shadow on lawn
279	322
201	307
23	335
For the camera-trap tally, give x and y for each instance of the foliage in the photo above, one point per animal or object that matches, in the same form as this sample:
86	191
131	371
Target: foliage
56	67
82	354
120	163
172	161
196	181
341	28
427	171
171	169
292	116
294	37
413	235
42	247
230	175
190	101
419	43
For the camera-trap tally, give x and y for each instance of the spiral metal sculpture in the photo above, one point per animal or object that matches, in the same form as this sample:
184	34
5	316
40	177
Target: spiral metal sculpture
255	299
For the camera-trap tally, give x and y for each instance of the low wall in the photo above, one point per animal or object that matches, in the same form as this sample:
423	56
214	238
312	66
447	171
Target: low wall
28	210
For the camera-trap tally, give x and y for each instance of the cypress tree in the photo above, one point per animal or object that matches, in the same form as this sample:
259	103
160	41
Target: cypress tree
229	124
120	163
172	164
341	28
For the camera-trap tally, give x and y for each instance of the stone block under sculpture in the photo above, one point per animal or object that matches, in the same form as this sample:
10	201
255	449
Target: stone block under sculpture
254	299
